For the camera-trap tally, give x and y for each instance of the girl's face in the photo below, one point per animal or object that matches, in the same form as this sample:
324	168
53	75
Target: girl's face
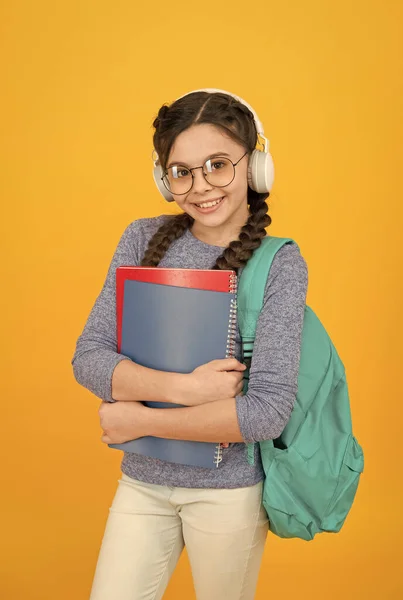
223	221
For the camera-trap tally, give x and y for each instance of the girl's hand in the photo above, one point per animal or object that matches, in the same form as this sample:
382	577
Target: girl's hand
216	380
122	421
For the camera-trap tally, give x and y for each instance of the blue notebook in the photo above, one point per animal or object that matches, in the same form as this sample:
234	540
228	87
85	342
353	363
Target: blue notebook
176	329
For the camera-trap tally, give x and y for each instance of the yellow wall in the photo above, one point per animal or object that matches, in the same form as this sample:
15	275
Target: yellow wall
81	83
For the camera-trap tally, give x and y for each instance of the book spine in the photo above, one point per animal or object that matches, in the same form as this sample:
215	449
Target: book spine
230	353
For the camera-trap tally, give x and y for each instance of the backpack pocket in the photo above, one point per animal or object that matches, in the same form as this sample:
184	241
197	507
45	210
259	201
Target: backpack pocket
346	488
288	503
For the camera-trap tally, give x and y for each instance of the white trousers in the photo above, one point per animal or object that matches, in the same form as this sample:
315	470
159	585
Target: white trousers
224	531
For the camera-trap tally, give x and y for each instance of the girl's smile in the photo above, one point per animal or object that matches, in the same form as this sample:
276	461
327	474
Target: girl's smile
210	205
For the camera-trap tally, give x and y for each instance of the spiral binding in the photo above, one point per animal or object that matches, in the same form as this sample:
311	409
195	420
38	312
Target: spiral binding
232	317
218	454
231	340
231	330
233	283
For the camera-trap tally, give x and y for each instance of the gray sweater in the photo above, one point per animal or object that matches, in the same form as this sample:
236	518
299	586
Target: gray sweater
263	412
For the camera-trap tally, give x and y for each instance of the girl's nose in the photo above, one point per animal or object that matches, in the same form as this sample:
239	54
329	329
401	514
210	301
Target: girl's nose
199	183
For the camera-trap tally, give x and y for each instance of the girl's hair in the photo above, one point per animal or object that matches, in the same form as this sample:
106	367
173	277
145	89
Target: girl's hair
236	120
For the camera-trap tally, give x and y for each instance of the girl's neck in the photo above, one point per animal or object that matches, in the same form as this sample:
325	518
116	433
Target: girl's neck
211	237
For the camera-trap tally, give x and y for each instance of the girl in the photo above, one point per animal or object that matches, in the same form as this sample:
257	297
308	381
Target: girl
161	506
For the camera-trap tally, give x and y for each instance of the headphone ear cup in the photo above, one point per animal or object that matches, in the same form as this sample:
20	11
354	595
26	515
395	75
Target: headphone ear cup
260	171
157	174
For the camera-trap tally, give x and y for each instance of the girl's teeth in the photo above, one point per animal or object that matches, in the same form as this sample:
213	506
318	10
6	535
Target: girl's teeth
209	204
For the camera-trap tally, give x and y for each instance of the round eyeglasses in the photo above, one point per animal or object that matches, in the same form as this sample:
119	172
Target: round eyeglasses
218	171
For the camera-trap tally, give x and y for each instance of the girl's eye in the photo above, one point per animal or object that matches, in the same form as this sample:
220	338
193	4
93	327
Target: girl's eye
183	173
217	165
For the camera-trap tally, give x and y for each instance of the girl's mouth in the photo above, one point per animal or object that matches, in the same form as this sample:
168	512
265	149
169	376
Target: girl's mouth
208	207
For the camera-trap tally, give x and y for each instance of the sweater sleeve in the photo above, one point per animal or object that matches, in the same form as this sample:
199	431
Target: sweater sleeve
265	409
96	356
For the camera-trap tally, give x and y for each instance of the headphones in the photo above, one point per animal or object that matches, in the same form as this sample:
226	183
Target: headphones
260	164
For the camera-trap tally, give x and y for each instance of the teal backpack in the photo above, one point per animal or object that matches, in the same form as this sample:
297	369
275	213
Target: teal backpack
312	470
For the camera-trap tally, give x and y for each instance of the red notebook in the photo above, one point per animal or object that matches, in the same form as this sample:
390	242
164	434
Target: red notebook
202	279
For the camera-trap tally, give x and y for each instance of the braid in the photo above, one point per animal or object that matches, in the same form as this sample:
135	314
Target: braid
240	251
158	245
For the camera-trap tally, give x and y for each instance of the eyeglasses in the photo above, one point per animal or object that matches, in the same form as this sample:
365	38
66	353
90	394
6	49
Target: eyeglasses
218	171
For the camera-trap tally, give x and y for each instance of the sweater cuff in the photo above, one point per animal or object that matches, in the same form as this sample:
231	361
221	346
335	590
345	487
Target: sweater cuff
94	369
109	373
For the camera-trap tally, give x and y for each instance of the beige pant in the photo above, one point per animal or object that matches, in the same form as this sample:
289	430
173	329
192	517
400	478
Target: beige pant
224	531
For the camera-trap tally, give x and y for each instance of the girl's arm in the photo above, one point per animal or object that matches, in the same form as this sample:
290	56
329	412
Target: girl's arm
124	421
210	422
131	381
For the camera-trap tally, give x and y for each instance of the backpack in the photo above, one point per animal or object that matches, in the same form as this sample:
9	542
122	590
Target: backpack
313	469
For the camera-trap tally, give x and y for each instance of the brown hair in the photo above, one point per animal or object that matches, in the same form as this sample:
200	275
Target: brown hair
236	120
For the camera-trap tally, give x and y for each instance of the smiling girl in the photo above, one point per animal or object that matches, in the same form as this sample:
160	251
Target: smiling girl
204	141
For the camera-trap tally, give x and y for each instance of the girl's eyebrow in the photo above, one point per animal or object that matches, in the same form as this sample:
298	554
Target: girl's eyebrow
178	162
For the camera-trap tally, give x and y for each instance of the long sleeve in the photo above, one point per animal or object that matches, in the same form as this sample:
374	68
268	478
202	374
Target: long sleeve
96	356
265	409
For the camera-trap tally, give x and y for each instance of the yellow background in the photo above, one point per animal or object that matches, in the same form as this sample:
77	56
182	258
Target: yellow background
81	83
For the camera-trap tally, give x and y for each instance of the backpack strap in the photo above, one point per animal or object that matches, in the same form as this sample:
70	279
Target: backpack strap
250	296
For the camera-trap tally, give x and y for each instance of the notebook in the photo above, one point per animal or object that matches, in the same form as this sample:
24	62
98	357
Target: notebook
159	326
204	279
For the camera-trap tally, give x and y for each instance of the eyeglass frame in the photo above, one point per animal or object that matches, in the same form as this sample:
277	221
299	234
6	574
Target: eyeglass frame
201	167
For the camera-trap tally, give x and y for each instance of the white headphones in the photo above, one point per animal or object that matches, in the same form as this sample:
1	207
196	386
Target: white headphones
260	165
